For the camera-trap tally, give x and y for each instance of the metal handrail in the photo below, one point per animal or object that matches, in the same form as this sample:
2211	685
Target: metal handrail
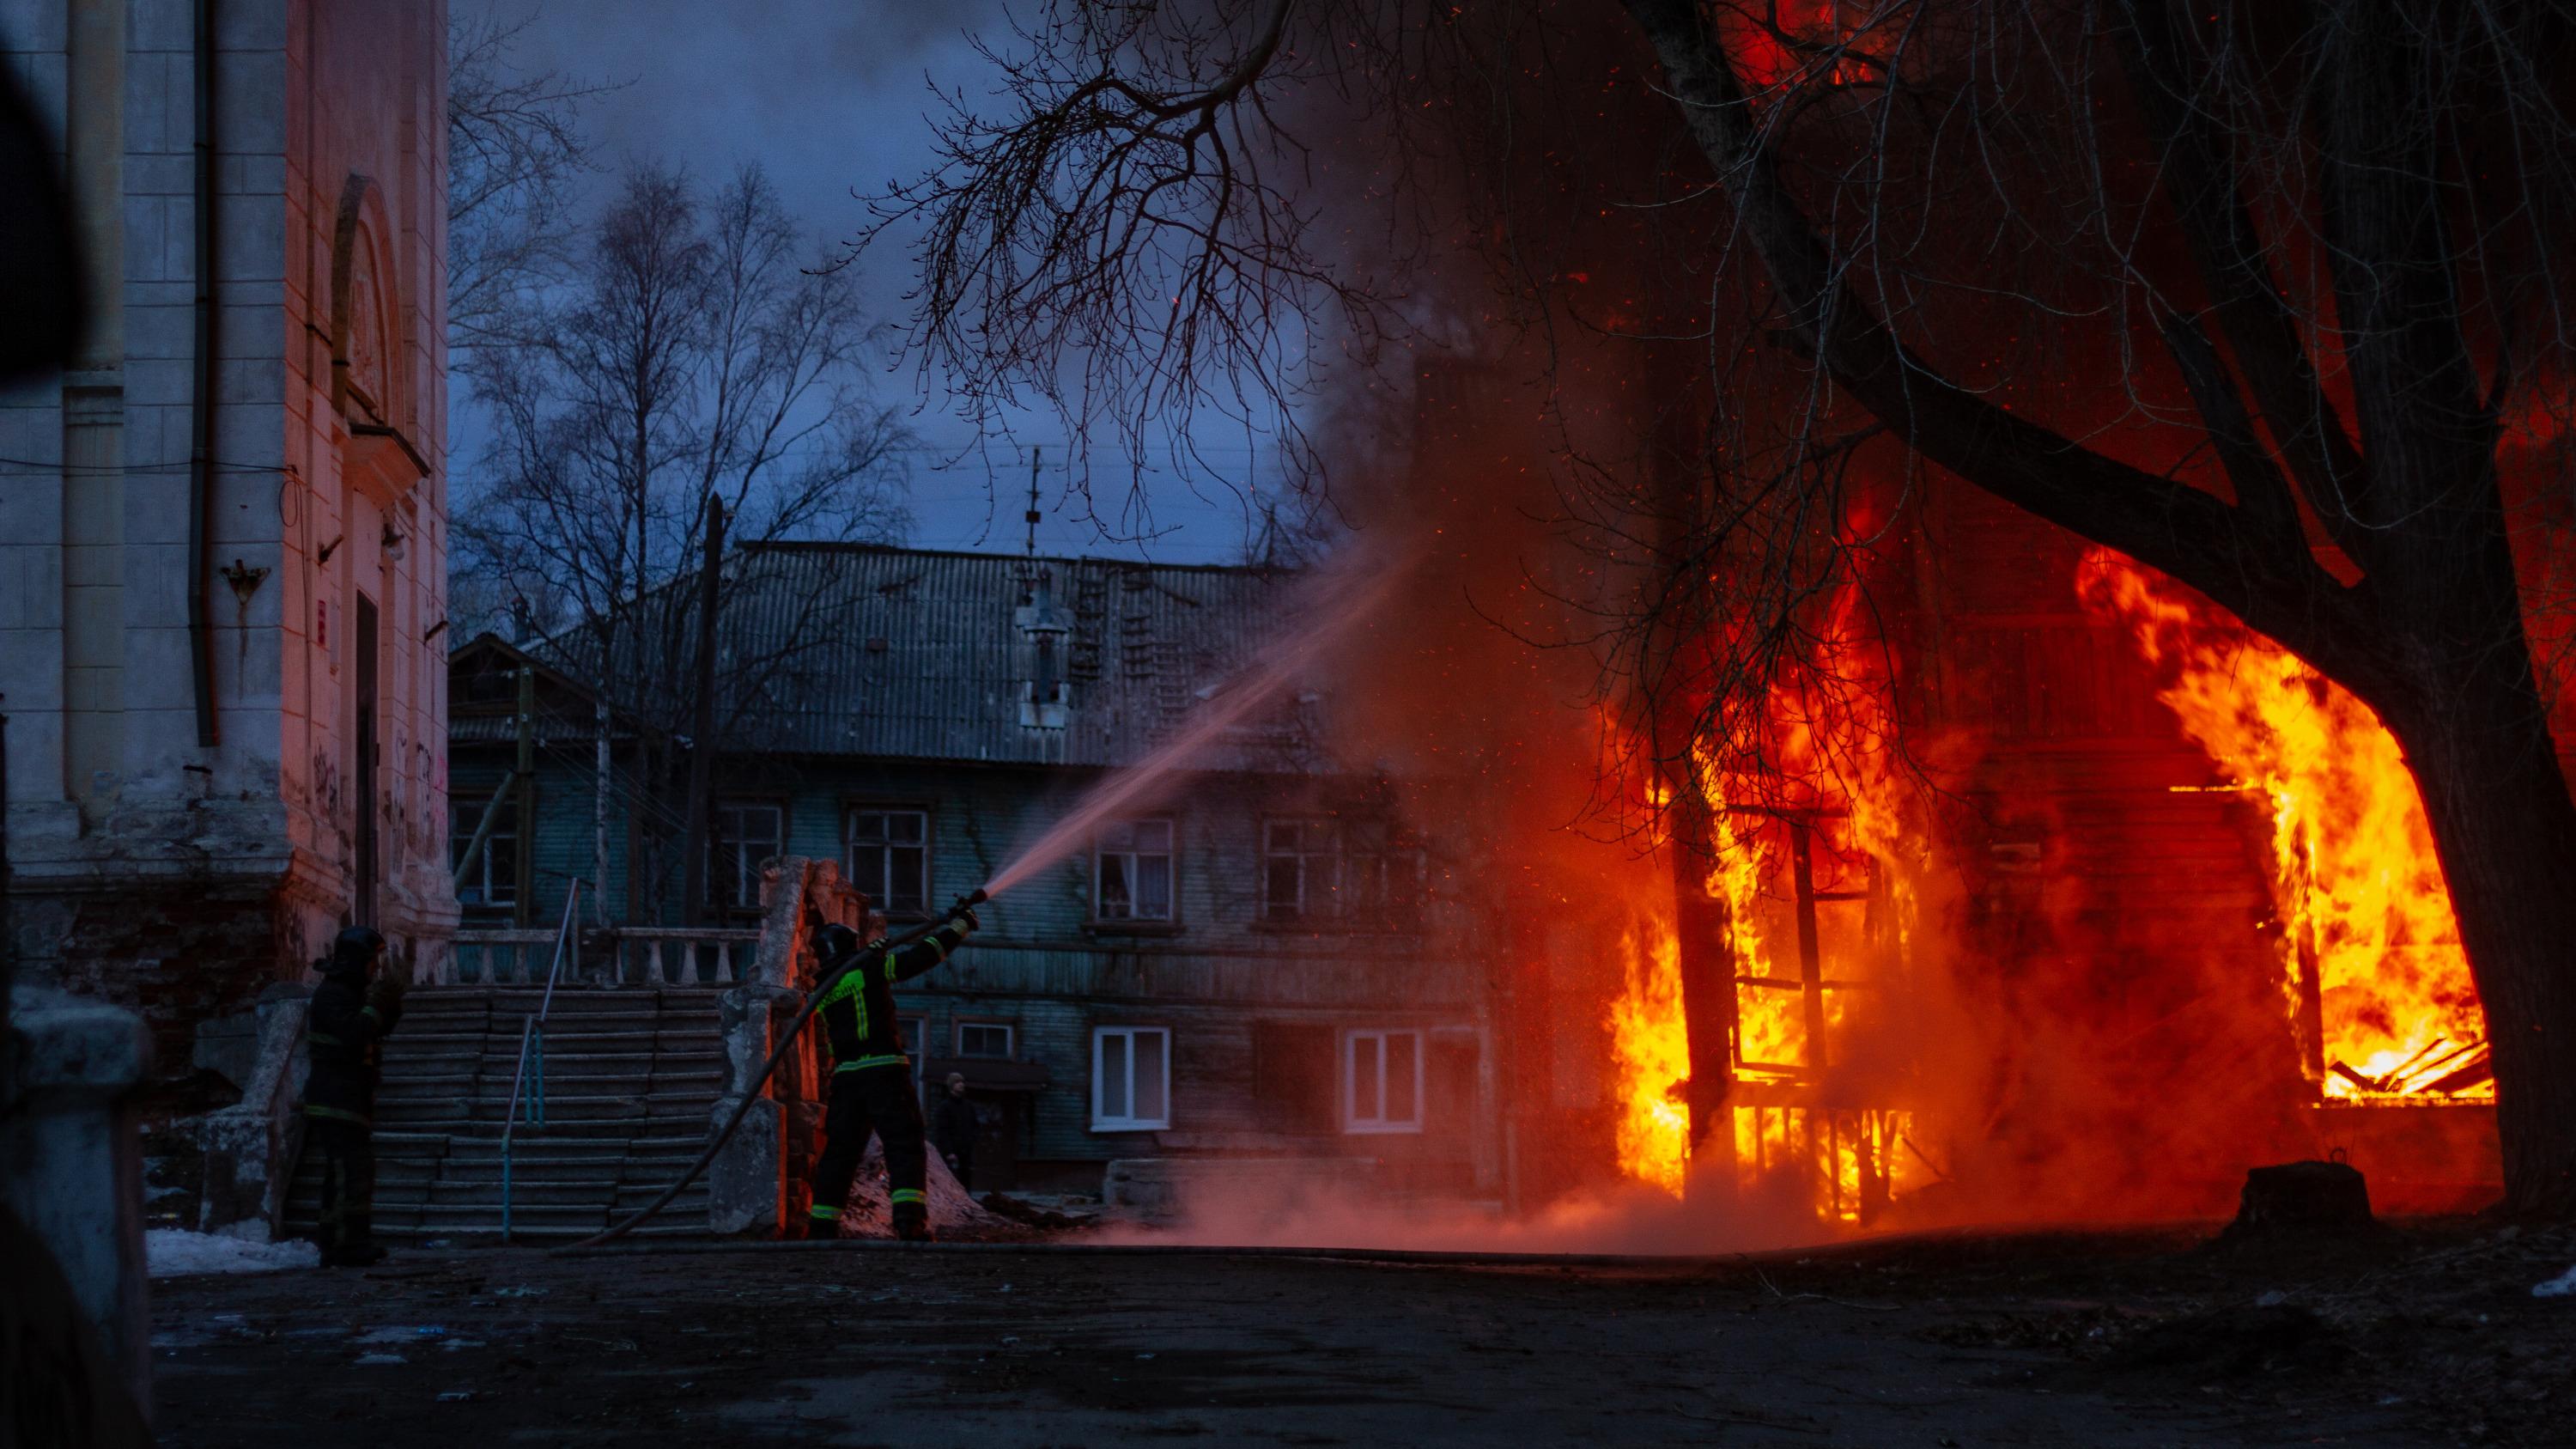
532	1046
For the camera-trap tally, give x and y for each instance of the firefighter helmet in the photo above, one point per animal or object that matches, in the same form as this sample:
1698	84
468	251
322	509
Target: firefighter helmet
355	949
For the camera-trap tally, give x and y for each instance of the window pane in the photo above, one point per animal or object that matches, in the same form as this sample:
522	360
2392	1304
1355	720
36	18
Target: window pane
1400	1049
1365	1066
908	825
904	887
1280	891
501	868
1149	1075
867	825
1115	903
1154	887
1113	1074
1119	835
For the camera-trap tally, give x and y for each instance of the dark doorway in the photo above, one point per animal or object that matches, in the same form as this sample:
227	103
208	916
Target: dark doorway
363	784
997	1146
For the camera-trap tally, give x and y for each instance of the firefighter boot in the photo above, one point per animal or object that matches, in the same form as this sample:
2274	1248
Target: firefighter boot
912	1223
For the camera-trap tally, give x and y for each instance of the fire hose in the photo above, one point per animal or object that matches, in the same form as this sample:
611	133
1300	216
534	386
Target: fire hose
754	1092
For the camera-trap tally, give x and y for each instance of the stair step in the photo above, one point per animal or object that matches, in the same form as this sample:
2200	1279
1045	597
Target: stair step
557	1081
571	1106
600	1197
632	1081
629	1195
559	1128
417	1233
609	1036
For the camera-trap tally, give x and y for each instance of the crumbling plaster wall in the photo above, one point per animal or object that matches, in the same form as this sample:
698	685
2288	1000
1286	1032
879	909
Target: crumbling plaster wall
180	878
757	1181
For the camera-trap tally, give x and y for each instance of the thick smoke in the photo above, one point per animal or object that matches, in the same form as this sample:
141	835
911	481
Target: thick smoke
1555	437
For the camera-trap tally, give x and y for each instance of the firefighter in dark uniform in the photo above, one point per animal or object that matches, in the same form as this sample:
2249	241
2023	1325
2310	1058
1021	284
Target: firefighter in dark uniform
871	1076
353	1011
954	1126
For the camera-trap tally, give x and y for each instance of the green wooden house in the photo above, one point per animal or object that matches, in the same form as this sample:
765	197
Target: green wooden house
1274	959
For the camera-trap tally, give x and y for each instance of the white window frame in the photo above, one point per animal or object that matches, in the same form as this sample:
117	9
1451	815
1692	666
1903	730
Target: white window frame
1102	1121
914	1033
1318	858
1010	1038
1371	1041
1171	855
1340	880
879	887
726	849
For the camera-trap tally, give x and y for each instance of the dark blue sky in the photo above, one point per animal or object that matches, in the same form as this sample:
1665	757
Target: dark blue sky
830	96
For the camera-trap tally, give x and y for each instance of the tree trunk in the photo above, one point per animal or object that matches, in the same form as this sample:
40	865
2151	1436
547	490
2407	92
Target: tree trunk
1707	960
2505	830
2433	639
695	907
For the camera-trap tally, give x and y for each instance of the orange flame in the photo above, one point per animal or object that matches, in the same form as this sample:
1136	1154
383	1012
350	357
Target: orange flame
2358	892
1650	1050
1824	774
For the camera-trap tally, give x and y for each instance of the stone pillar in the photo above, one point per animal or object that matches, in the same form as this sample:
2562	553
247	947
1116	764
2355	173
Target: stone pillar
751	1181
69	1167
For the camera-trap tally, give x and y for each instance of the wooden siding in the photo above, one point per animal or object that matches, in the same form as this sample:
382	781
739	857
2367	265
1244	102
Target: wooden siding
1216	977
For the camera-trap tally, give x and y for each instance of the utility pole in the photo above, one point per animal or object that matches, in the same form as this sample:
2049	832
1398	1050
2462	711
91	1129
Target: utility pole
525	886
693	870
600	777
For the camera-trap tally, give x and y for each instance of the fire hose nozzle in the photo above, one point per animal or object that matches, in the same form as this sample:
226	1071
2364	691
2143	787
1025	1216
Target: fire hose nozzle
975	897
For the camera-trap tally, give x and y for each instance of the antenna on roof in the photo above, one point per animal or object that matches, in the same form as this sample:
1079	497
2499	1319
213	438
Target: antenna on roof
1036	451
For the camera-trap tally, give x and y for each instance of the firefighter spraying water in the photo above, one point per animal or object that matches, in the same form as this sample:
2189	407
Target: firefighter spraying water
871	1077
857	981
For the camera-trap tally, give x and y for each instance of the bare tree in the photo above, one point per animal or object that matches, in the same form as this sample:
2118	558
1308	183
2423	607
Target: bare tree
515	148
2266	296
690	369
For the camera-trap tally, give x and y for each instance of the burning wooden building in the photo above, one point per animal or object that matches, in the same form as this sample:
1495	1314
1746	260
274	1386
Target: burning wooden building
2048	891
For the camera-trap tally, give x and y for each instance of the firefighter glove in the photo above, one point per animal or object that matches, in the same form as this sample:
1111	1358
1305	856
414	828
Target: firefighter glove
385	993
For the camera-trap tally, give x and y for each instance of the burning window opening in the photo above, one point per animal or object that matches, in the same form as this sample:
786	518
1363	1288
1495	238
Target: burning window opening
2379	993
1817	888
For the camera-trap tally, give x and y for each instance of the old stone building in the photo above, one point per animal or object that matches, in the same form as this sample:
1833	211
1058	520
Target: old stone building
223	528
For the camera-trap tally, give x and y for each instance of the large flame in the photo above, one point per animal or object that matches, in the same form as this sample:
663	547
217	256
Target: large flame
1818	777
1650	1050
2362	909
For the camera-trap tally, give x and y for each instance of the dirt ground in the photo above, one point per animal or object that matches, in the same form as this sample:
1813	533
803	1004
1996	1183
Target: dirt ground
2425	1335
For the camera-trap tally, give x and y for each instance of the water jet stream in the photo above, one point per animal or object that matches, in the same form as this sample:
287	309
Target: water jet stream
1255	686
1235	701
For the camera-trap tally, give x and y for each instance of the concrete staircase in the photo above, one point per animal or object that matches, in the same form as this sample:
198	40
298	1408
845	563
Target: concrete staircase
632	1078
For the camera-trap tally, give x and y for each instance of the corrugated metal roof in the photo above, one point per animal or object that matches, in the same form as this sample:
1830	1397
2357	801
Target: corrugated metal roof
923	654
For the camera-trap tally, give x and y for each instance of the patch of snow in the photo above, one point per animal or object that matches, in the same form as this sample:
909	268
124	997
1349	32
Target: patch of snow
170	1252
2559	1287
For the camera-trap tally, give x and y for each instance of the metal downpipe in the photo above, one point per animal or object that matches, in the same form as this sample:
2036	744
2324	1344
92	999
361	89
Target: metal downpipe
201	426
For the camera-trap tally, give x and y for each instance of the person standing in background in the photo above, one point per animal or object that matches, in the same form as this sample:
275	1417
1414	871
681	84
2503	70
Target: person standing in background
353	1011
953	1128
